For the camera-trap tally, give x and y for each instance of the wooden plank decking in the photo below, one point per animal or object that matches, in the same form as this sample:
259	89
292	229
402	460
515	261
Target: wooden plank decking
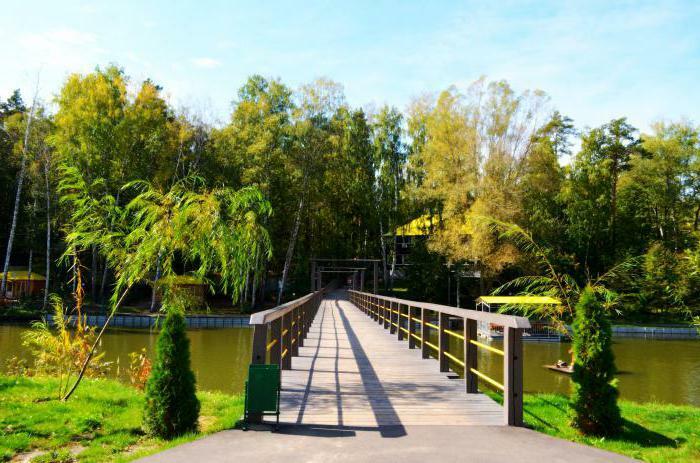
351	372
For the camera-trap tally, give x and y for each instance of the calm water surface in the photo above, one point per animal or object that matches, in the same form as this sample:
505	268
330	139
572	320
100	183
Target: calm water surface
219	356
651	370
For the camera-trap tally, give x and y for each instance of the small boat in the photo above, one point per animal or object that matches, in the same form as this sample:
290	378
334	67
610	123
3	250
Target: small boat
561	367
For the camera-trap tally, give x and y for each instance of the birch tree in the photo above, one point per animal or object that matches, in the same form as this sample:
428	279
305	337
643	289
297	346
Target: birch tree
18	193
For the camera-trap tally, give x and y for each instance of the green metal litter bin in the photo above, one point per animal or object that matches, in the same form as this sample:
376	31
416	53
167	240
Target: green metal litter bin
262	392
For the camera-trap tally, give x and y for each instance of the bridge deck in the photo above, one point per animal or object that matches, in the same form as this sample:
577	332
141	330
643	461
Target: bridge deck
351	372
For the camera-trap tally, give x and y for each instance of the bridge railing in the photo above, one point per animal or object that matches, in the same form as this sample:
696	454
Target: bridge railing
279	332
414	322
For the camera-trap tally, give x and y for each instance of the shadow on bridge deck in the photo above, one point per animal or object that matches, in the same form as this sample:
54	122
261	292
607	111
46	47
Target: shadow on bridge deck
351	374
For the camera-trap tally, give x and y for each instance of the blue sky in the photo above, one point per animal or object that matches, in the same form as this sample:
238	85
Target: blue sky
597	60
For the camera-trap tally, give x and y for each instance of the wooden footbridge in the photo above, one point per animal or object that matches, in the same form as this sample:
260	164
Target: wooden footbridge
356	359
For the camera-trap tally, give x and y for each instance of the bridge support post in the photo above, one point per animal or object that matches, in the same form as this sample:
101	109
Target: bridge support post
399	331
258	357
390	323
296	329
513	376
259	344
276	349
286	342
470	379
442	343
381	314
411	329
424	333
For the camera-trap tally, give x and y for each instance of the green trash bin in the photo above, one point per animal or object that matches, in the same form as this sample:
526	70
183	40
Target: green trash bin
262	392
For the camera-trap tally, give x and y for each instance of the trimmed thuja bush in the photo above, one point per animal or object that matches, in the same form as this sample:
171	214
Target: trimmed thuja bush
594	401
171	407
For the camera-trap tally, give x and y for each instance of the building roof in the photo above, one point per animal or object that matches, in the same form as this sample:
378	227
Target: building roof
422	226
21	275
522	300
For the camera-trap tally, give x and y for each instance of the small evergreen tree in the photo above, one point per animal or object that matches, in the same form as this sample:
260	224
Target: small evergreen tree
172	408
594	401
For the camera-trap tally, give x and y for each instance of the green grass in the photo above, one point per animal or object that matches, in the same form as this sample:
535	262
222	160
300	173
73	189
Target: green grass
102	421
652	432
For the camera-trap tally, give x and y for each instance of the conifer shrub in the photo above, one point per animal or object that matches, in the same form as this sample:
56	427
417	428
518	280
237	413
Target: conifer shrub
594	399
171	408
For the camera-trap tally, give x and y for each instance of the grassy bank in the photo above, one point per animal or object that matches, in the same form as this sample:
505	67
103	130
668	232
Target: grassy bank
652	432
101	422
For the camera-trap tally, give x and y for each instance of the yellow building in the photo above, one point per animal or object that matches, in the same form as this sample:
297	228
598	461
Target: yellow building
20	283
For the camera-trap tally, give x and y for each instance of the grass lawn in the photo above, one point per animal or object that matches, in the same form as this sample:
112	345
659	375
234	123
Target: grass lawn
652	432
101	422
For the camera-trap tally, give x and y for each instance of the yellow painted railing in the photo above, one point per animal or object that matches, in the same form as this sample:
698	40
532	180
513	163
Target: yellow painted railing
415	329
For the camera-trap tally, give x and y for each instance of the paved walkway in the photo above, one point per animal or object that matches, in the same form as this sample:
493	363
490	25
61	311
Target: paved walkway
414	444
357	394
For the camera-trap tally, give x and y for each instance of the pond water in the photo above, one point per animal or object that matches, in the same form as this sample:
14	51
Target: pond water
651	369
219	356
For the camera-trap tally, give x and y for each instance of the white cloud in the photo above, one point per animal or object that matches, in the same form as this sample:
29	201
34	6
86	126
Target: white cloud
66	48
206	63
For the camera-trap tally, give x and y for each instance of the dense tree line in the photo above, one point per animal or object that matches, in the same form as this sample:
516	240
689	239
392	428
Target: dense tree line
318	162
340	181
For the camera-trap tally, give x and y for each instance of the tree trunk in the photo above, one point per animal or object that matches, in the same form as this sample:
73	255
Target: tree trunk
47	168
244	298
155	282
382	245
290	248
18	194
253	293
103	281
457	276
29	270
93	277
613	209
95	343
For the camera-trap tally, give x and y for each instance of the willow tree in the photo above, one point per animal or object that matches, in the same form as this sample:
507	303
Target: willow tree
214	231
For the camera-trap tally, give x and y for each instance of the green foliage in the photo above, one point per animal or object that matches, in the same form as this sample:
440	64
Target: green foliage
105	419
651	432
59	348
594	399
171	408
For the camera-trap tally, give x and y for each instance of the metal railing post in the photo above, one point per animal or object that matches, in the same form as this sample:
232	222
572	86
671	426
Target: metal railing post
513	376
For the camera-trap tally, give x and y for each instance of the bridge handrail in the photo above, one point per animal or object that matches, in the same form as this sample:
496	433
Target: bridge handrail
269	315
403	318
508	321
285	326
